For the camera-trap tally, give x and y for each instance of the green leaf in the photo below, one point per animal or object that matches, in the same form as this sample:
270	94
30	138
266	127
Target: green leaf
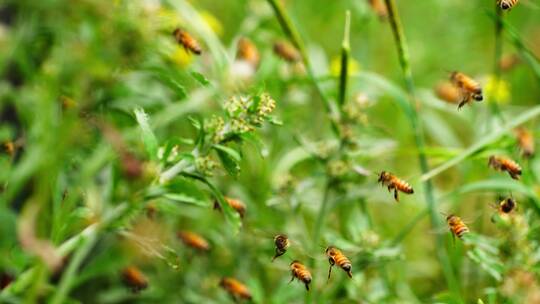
200	78
183	190
149	139
229	158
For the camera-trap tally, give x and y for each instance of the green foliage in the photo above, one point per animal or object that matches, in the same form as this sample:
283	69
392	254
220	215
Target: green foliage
114	138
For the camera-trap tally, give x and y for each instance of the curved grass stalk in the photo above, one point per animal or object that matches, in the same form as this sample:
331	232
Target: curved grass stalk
416	125
496	67
291	32
530	114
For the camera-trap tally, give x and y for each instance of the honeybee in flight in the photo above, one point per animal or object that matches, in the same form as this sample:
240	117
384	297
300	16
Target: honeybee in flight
237	205
469	88
501	163
394	183
448	92
507	205
379	7
282	243
286	51
193	240
187	41
247	51
300	272
457	226
507	4
237	290
525	141
134	279
335	256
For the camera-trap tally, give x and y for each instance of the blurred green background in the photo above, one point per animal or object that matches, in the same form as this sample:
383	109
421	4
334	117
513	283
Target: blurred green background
81	192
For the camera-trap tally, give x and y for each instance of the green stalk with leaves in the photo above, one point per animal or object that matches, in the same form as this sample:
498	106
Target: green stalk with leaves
416	125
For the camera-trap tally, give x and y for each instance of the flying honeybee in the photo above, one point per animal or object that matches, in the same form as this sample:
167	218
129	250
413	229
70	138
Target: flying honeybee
507	205
508	62
282	243
379	7
300	272
335	256
448	92
286	51
469	88
134	279
237	205
501	163
9	147
187	41
457	226
247	51
193	240
525	141
507	4
237	290
394	183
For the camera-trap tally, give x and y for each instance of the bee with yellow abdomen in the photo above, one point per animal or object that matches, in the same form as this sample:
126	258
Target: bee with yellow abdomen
394	183
187	41
282	243
286	51
507	4
134	279
300	272
237	205
470	89
508	62
336	257
379	7
235	288
448	92
457	226
247	51
501	163
193	240
525	141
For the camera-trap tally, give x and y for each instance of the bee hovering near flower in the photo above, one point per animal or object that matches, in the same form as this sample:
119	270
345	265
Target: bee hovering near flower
507	205
457	226
187	41
501	163
394	183
525	141
247	51
237	205
237	290
300	272
335	256
193	240
134	279
287	52
470	88
379	7
282	243
507	4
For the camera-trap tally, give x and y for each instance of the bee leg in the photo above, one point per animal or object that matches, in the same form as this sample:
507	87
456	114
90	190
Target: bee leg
329	273
307	286
292	279
396	197
462	103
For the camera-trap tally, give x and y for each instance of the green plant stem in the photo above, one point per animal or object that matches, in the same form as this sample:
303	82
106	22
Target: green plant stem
528	115
403	55
319	222
291	32
345	53
84	246
494	106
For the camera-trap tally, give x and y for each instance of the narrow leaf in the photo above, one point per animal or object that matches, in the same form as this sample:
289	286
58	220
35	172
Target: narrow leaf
148	137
